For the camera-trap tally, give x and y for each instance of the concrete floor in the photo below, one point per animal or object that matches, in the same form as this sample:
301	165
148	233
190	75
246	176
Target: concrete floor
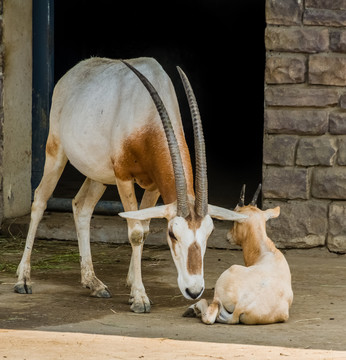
59	306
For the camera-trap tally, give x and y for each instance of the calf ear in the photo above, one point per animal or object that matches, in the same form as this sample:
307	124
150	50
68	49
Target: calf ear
272	213
163	211
225	214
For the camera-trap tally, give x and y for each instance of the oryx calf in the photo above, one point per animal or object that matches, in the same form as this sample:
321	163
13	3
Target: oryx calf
259	292
116	131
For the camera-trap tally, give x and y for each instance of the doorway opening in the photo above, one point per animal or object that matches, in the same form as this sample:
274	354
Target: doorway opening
220	46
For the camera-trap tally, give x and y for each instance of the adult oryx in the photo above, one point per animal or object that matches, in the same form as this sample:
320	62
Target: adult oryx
114	130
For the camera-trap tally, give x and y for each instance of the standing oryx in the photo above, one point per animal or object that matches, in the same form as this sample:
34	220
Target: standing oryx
114	130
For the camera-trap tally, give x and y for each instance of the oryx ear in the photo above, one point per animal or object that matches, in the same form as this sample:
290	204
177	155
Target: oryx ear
224	214
272	213
163	211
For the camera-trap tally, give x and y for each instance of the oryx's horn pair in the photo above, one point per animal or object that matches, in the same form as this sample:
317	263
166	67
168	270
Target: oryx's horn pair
254	199
201	201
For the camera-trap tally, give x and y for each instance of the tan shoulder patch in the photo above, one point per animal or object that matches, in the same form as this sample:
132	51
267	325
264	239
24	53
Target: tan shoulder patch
52	145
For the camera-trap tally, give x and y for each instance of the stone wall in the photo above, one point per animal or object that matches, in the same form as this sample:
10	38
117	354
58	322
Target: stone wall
304	153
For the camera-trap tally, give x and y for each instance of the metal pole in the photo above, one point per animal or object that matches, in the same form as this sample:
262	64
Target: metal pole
102	207
43	82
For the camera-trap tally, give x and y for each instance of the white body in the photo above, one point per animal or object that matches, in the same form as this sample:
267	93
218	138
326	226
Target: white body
91	121
258	293
104	121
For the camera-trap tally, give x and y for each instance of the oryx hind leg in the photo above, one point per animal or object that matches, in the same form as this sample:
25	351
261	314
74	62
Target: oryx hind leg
53	168
83	206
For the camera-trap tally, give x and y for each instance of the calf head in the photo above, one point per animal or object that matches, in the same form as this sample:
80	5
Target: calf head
255	221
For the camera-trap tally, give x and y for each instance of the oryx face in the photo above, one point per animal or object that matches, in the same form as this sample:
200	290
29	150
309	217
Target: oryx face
187	239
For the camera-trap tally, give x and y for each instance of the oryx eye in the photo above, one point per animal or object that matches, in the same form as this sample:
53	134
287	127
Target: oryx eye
172	236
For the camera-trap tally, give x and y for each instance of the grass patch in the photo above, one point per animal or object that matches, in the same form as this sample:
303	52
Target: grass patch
8	268
43	257
61	261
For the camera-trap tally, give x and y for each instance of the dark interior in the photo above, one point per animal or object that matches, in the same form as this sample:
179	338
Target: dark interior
220	46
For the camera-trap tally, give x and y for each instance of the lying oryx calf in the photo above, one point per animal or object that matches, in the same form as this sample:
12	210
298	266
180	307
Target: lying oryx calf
258	293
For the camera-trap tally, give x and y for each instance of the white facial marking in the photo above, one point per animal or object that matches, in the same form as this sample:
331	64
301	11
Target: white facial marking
188	244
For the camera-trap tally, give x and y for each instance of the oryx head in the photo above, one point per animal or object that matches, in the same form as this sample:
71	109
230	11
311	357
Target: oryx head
189	217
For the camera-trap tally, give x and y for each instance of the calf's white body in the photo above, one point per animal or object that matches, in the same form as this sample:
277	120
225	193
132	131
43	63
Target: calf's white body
259	292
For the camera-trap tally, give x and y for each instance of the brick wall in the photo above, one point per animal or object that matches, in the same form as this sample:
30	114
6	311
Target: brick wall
304	153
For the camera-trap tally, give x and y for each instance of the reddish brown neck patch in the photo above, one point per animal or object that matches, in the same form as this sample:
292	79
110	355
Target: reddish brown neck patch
145	157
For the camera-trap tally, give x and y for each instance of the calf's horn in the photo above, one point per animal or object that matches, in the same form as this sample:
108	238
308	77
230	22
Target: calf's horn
254	199
242	196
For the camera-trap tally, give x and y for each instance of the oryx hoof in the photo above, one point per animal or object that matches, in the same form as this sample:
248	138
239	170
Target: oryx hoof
140	306
22	288
102	293
190	312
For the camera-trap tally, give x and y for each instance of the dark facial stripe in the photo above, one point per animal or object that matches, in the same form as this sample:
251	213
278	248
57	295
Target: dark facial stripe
194	259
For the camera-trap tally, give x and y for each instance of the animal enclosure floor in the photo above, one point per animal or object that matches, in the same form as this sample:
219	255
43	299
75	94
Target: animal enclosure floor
59	304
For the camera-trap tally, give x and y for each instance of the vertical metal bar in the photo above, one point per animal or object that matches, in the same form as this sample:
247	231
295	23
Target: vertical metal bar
43	82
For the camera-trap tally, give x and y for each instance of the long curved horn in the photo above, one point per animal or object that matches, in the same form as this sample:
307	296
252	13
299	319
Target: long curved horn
179	175
201	188
255	197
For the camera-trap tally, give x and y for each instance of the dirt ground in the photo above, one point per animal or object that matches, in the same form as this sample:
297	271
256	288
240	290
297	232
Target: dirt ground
62	320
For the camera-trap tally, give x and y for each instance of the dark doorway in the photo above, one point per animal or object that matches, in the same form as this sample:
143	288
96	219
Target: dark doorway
218	43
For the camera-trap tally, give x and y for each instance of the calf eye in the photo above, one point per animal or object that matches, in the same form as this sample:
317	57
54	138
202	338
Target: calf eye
172	236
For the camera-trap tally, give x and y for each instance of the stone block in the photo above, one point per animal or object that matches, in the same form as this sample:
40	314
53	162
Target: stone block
279	149
284	12
327	69
337	243
300	122
301	224
323	17
337	227
342	150
296	39
338	41
285	69
1	95
337	123
300	96
316	151
326	4
285	183
329	183
342	102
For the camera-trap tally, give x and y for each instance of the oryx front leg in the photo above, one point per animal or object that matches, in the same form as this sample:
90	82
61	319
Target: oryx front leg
138	298
83	206
149	199
53	168
208	313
